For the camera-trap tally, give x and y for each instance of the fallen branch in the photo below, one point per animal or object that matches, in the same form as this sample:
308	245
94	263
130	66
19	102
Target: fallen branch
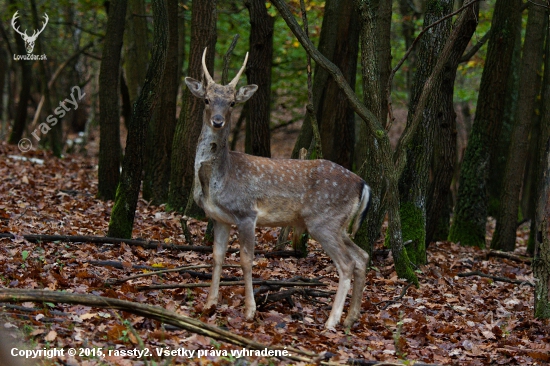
514	257
231	283
119	265
395	299
153	272
495	278
152	312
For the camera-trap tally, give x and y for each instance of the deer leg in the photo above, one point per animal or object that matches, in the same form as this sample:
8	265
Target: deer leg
359	273
334	246
221	240
246	237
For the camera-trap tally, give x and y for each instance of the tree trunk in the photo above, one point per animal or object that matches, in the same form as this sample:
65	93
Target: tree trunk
338	42
258	72
413	183
136	48
163	124
439	198
497	165
369	154
541	262
53	137
109	111
124	208
20	120
203	34
504	237
409	15
470	217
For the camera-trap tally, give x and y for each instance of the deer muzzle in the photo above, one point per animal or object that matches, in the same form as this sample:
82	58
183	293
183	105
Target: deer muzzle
217	121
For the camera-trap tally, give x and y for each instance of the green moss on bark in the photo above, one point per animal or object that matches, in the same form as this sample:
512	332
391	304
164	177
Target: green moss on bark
120	226
467	233
413	228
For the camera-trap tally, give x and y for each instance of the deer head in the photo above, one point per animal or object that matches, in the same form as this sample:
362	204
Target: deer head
219	99
29	40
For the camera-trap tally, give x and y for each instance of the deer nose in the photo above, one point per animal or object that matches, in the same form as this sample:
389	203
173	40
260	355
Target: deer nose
217	121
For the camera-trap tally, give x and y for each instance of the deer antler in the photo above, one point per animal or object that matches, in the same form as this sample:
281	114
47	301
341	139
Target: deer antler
235	80
209	79
35	34
15	16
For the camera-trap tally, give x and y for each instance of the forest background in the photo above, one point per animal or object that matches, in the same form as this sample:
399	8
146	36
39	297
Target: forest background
441	106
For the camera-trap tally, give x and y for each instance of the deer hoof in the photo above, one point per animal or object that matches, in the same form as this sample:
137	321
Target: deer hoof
249	314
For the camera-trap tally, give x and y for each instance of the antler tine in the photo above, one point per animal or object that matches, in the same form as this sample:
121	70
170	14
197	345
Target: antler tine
235	80
209	79
13	19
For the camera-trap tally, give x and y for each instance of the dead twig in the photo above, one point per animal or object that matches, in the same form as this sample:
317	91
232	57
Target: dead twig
395	299
495	278
231	283
179	269
514	257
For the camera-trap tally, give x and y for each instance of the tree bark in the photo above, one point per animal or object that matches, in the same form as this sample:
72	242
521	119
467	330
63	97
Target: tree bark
497	164
20	120
541	261
258	71
439	197
122	216
163	123
413	183
203	34
504	237
136	48
369	155
470	217
339	42
109	110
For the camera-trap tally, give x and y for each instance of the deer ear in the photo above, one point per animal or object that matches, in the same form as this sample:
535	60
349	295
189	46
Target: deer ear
195	87
245	93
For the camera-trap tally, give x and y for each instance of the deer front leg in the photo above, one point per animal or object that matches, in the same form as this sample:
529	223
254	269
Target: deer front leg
221	240
246	237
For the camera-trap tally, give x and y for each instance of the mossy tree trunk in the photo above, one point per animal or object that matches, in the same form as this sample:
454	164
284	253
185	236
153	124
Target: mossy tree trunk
470	215
109	111
124	208
531	65
413	183
258	71
188	127
439	200
161	129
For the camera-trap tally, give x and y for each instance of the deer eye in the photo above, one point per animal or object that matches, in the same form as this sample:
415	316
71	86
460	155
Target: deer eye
206	101
232	104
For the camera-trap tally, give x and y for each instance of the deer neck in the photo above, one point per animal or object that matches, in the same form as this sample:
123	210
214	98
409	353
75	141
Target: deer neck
212	156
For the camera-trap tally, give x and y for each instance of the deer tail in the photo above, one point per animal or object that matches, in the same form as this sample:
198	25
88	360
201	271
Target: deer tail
362	208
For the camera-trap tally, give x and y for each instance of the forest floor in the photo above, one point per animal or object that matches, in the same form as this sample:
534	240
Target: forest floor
447	320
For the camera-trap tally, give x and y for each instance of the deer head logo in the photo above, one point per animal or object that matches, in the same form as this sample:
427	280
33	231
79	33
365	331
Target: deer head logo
29	40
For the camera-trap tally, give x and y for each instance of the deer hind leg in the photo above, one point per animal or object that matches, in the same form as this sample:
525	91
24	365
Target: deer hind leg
359	277
221	240
333	244
247	239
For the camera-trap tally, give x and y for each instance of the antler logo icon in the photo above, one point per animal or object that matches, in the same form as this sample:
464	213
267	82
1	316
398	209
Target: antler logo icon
29	40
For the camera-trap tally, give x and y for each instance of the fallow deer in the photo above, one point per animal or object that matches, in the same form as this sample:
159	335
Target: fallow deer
243	190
